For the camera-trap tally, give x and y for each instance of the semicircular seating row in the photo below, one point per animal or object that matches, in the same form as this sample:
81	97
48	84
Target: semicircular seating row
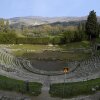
14	68
17	67
87	69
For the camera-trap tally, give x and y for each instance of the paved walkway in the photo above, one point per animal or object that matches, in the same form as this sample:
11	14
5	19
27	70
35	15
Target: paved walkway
44	96
45	91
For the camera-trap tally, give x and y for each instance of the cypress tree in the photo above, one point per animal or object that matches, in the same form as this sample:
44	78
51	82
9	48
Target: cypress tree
92	25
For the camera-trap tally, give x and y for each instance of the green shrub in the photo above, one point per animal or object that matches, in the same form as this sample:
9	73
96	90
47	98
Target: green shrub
19	86
38	40
74	89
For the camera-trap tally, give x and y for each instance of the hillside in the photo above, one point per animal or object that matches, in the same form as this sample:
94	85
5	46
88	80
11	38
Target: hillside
18	22
42	20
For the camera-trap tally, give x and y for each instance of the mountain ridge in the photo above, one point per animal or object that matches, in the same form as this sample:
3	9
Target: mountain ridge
38	20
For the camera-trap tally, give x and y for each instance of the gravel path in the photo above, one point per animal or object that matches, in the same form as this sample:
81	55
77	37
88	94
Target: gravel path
5	95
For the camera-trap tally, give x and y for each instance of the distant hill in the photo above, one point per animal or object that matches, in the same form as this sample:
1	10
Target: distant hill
43	20
18	22
70	23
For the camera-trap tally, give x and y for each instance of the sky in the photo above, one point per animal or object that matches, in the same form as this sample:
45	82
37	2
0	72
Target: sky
48	8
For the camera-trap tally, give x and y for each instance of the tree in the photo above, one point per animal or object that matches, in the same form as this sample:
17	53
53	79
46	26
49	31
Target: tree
1	25
92	25
99	30
6	27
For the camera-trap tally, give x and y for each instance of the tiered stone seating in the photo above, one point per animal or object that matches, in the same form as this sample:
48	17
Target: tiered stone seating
22	69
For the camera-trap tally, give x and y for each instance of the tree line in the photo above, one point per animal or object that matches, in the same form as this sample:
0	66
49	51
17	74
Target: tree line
88	30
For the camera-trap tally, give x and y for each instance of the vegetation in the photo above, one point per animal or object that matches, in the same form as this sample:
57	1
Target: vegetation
73	36
50	33
92	25
9	84
69	90
57	52
36	40
9	38
57	55
21	49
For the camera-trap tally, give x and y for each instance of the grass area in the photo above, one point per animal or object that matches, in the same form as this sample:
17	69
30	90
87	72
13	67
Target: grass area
19	34
9	84
57	55
28	46
98	40
83	44
69	90
75	45
27	49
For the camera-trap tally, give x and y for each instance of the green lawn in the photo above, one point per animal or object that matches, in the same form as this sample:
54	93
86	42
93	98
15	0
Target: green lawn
19	86
21	50
25	48
28	46
75	45
62	56
98	40
70	90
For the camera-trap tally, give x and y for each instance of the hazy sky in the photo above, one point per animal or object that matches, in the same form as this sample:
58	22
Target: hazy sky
47	8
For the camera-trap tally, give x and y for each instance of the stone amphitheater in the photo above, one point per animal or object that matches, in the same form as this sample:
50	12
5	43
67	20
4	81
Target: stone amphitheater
22	69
